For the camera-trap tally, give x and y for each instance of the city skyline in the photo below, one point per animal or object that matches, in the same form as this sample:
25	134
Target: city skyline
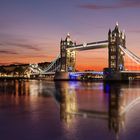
30	32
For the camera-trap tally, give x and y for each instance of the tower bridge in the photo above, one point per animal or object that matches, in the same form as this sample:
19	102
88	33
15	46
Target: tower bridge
65	62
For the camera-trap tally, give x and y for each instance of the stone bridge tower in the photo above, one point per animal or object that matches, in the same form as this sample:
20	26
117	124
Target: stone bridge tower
67	55
115	55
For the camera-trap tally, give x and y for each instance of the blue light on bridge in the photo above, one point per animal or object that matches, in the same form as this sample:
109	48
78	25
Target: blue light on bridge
73	76
98	73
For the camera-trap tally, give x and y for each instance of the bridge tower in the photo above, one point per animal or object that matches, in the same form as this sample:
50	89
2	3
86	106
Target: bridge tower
115	55
67	57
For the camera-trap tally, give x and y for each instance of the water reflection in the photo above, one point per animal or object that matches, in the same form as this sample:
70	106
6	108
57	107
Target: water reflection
116	118
14	87
123	98
26	88
82	107
68	101
120	97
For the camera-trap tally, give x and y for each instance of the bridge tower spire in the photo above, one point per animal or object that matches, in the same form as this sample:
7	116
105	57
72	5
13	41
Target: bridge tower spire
67	57
116	38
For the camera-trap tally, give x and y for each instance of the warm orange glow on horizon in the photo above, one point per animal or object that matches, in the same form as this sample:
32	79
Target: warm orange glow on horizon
92	60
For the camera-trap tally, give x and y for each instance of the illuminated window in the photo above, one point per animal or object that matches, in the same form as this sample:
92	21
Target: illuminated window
113	50
113	57
113	64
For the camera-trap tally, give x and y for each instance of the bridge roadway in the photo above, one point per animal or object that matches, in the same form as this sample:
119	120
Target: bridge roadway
130	75
87	75
74	73
89	46
130	72
90	72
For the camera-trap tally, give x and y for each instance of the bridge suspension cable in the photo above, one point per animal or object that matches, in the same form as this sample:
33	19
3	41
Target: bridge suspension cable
52	64
130	55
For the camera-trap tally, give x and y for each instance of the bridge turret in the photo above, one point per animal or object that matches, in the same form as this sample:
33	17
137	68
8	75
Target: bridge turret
68	38
116	30
116	56
109	34
67	56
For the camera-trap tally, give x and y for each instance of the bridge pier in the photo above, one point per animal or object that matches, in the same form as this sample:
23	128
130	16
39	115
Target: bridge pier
112	75
61	76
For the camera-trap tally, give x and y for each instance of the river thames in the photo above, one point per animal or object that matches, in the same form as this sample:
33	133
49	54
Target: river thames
47	110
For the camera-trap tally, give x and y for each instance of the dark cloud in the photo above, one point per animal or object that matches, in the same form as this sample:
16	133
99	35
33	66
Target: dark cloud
119	5
21	45
7	52
16	41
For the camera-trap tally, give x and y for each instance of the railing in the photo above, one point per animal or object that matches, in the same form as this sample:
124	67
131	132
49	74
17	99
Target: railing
98	44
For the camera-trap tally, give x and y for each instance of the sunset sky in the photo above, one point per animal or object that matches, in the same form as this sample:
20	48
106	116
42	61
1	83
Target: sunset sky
31	30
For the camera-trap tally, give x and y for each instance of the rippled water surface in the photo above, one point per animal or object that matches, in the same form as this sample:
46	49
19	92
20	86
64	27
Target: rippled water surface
44	110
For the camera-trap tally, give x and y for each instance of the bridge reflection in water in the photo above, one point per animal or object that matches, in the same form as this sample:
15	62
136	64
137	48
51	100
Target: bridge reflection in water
119	104
78	104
